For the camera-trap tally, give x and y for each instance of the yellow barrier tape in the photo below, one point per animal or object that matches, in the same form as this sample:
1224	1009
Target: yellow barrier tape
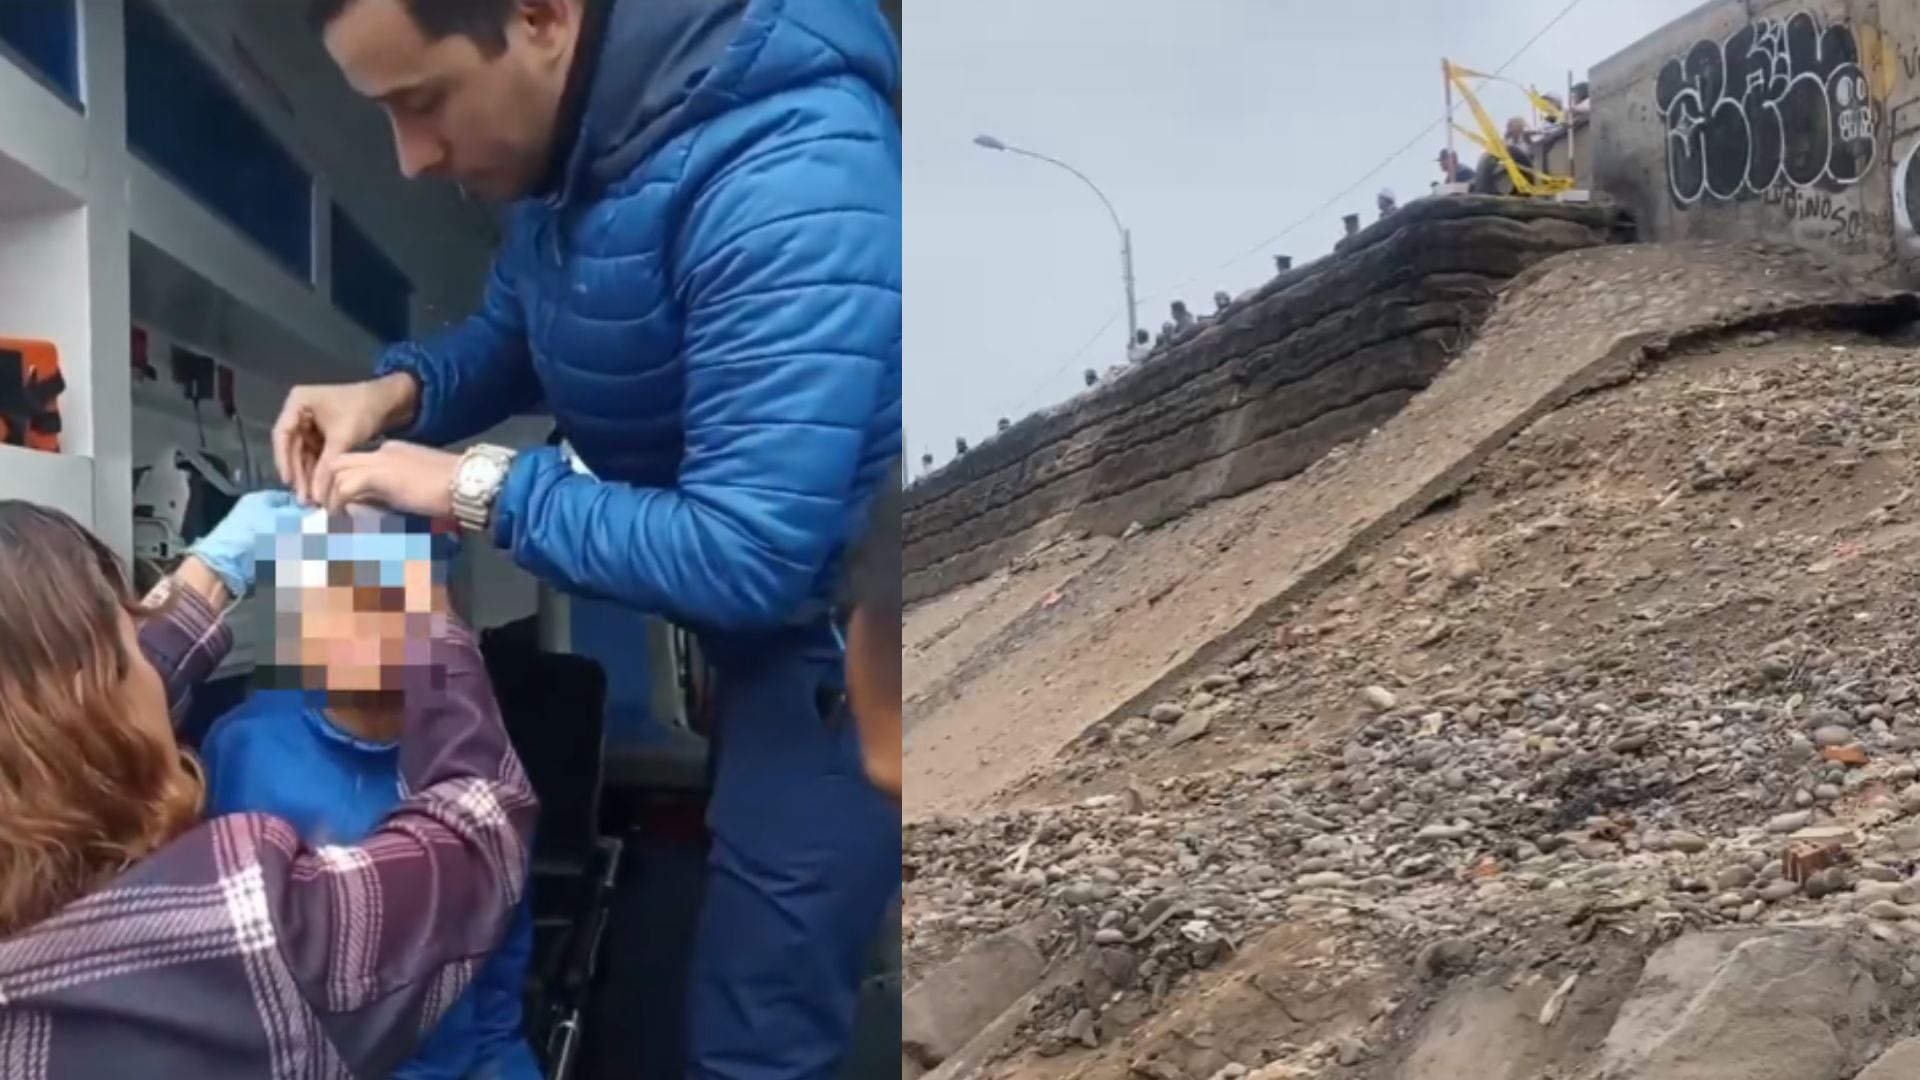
1526	181
1553	113
1492	141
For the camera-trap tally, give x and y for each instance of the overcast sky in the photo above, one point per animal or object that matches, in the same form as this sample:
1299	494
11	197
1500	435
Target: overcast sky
1211	124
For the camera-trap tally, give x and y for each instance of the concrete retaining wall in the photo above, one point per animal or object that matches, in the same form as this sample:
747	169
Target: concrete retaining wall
1319	356
1771	119
1569	152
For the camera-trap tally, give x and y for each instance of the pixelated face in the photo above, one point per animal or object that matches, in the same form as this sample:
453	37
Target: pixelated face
358	600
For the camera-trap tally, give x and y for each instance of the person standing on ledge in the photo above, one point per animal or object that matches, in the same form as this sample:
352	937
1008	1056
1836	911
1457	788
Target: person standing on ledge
1140	348
701	280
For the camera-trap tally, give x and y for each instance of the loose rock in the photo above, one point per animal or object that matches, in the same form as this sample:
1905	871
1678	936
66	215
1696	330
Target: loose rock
1786	823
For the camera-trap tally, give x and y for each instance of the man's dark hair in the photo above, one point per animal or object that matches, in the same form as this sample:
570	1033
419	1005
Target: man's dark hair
483	21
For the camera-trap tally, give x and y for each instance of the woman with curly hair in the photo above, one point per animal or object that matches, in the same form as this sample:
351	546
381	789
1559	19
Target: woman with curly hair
136	938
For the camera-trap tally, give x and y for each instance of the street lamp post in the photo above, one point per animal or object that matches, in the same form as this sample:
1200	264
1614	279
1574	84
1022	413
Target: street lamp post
1126	238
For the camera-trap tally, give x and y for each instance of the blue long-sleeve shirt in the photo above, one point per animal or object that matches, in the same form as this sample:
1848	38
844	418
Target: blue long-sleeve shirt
278	754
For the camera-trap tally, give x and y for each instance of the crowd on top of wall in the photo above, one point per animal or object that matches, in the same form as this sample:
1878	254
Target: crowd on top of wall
1526	144
1523	142
1181	325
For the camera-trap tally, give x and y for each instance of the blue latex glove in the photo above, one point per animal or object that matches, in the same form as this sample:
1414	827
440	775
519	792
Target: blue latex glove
232	549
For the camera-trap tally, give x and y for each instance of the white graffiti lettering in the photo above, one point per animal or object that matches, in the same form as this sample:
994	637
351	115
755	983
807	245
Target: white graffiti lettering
1780	103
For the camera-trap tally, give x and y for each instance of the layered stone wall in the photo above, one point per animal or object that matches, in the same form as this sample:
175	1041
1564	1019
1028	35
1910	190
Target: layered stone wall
1317	357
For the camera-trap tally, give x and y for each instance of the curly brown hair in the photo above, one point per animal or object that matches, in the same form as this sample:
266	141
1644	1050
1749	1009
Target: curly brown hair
85	791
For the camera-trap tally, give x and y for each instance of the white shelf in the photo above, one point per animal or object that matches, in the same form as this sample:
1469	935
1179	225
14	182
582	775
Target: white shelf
44	282
61	481
44	163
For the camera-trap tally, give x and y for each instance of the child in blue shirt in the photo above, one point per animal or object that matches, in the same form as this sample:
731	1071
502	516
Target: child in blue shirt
325	757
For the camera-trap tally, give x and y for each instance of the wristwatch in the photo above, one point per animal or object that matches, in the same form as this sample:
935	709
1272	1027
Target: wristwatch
477	481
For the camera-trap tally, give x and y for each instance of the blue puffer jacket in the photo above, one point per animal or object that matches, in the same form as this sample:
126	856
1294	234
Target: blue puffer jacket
710	306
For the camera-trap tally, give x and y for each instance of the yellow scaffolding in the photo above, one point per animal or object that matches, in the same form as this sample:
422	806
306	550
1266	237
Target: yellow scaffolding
1526	181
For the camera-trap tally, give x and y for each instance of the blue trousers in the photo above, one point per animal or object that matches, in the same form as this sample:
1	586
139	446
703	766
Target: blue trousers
804	864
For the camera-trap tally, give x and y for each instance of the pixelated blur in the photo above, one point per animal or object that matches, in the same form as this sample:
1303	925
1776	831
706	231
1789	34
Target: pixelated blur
359	600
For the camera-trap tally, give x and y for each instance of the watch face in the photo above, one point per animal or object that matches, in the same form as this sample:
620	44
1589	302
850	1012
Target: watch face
480	475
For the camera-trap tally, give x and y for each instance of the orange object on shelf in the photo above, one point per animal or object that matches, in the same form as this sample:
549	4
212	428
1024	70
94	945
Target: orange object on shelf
30	389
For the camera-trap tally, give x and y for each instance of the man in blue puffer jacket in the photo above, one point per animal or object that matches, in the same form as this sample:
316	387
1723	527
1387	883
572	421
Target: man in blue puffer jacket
701	281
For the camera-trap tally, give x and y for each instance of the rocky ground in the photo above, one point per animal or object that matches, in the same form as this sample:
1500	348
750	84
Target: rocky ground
1649	676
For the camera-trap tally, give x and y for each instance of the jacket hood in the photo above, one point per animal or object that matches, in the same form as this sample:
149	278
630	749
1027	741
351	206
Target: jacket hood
665	66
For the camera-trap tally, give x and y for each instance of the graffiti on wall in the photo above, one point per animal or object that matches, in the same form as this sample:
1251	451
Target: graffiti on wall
1840	219
1906	200
1781	110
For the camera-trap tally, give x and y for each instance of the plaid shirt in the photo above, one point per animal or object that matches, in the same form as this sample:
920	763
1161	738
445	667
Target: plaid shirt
238	952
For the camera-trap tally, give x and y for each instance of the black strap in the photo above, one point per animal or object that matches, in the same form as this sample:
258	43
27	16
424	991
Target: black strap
27	401
13	397
43	396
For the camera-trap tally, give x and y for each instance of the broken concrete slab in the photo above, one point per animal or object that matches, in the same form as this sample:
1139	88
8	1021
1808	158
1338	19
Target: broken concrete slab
971	1061
1900	1062
1801	1003
955	1002
1490	1028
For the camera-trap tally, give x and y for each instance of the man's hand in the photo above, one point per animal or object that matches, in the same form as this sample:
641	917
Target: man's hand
320	423
400	476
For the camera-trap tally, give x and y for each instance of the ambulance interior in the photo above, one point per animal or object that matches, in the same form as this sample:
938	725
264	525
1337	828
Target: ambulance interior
195	215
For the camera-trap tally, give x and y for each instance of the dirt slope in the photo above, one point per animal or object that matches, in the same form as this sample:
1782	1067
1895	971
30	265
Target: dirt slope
1648	673
1118	627
1688	522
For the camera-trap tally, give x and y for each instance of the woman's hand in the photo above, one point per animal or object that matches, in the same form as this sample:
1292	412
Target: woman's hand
230	551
